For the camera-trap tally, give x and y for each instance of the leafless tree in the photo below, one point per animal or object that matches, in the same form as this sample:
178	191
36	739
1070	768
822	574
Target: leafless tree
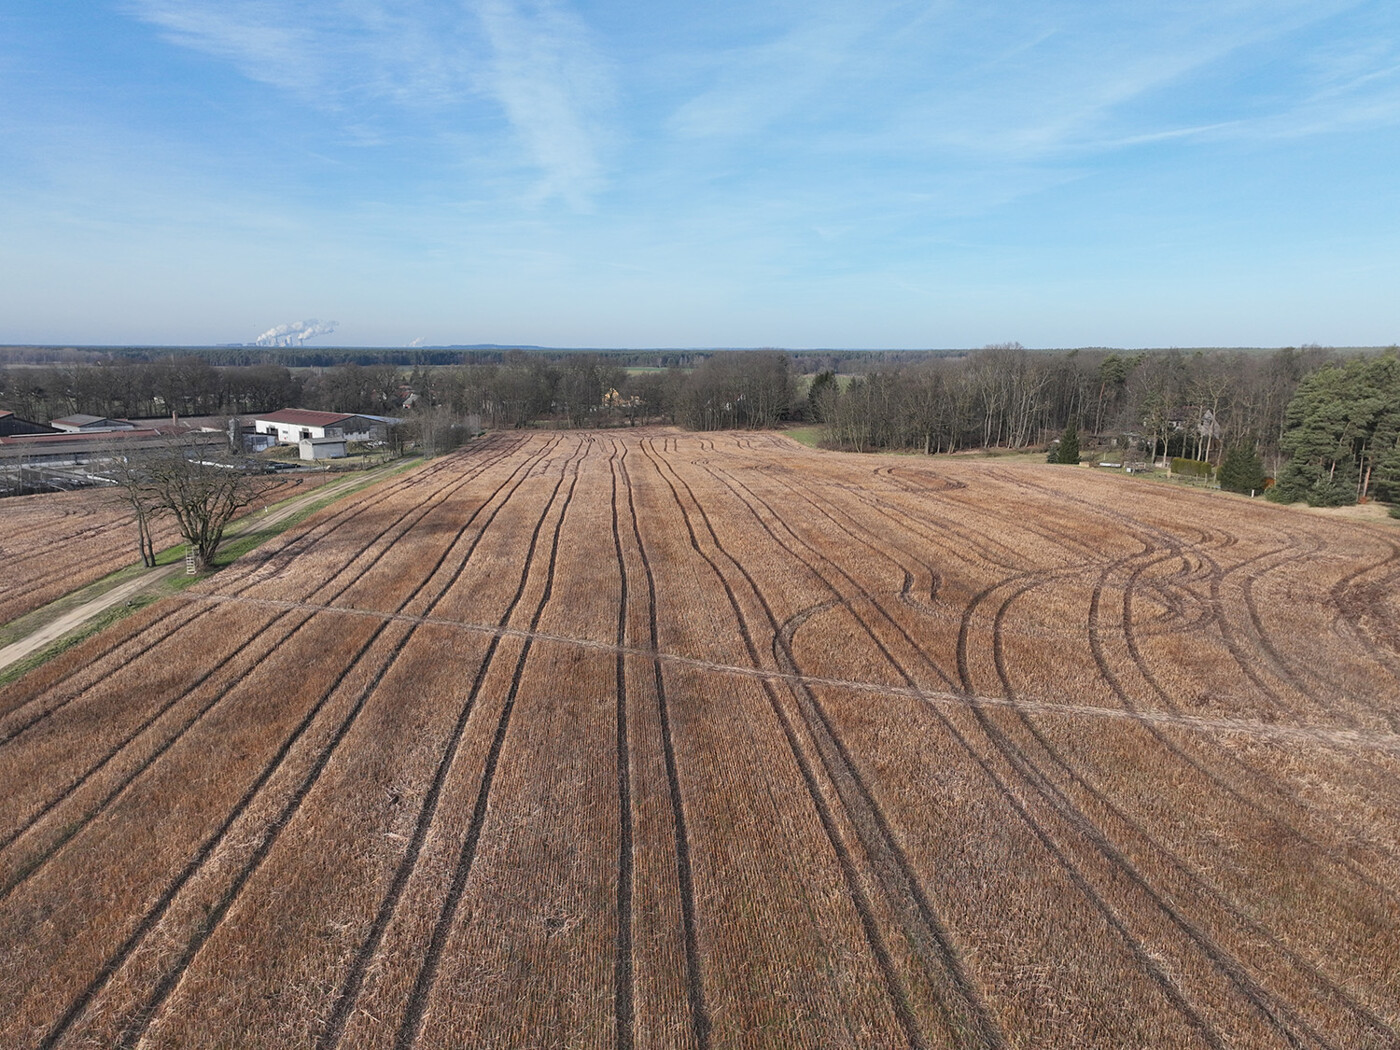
128	470
200	485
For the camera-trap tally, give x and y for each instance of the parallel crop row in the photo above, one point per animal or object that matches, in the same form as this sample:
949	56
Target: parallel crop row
643	739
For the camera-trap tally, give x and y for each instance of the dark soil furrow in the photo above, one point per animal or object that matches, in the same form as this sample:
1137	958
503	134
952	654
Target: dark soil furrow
412	1021
283	622
364	955
966	1016
207	848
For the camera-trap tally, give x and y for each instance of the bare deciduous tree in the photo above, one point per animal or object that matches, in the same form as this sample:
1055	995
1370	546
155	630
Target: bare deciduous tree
201	487
128	470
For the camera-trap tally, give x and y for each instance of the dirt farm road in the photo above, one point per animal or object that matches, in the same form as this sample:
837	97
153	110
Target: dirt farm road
75	618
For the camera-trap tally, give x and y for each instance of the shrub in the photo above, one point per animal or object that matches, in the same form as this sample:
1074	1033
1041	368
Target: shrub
1300	480
1192	468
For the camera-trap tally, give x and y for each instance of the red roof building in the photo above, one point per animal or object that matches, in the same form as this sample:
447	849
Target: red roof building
291	425
305	417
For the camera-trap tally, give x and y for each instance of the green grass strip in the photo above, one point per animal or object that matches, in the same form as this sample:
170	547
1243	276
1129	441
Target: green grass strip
98	623
812	437
244	536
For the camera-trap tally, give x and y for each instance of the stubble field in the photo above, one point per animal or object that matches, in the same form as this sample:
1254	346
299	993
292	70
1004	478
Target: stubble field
646	739
56	542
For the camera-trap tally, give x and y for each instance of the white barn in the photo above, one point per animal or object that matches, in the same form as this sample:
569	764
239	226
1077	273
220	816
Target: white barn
291	425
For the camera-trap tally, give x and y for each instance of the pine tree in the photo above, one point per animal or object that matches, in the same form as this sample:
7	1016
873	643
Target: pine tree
1242	470
1068	449
1343	433
819	396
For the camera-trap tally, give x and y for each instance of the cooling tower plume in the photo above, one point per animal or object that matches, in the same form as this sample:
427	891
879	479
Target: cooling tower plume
295	333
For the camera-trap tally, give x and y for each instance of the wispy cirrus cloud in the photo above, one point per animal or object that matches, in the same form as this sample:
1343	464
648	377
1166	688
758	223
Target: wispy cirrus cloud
555	88
367	59
1123	79
321	53
1062	79
761	84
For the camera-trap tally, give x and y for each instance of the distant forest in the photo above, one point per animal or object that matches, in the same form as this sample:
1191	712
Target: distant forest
804	361
1326	424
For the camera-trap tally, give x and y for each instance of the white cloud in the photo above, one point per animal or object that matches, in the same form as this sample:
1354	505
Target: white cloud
556	90
959	81
758	85
533	58
334	54
268	42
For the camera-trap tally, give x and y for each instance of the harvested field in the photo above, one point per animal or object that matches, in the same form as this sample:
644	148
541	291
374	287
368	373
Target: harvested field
645	740
54	543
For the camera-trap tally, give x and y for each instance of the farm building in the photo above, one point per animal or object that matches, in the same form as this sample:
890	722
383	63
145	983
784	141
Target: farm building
323	448
11	425
61	460
383	423
70	448
291	425
81	423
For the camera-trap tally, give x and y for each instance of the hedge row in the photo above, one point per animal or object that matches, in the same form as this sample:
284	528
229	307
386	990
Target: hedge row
1192	468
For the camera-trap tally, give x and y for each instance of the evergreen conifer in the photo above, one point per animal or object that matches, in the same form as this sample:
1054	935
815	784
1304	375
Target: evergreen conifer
1067	451
1242	471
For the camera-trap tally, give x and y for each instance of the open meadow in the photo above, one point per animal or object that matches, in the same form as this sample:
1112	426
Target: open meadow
645	739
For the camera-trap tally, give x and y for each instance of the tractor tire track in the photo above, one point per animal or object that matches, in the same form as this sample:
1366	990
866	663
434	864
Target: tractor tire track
412	1021
695	988
1140	952
1212	894
623	998
212	842
343	515
136	1028
74	828
898	996
364	955
965	1015
1223	960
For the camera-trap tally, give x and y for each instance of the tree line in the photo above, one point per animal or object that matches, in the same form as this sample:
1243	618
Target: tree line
804	362
1165	403
1326	426
121	389
191	386
743	389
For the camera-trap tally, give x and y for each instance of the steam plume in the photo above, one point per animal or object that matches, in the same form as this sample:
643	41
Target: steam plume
295	333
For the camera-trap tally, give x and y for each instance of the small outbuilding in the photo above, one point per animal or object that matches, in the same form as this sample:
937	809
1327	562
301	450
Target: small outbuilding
313	448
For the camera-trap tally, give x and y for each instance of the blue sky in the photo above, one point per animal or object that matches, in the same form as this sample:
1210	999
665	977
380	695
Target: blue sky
619	173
